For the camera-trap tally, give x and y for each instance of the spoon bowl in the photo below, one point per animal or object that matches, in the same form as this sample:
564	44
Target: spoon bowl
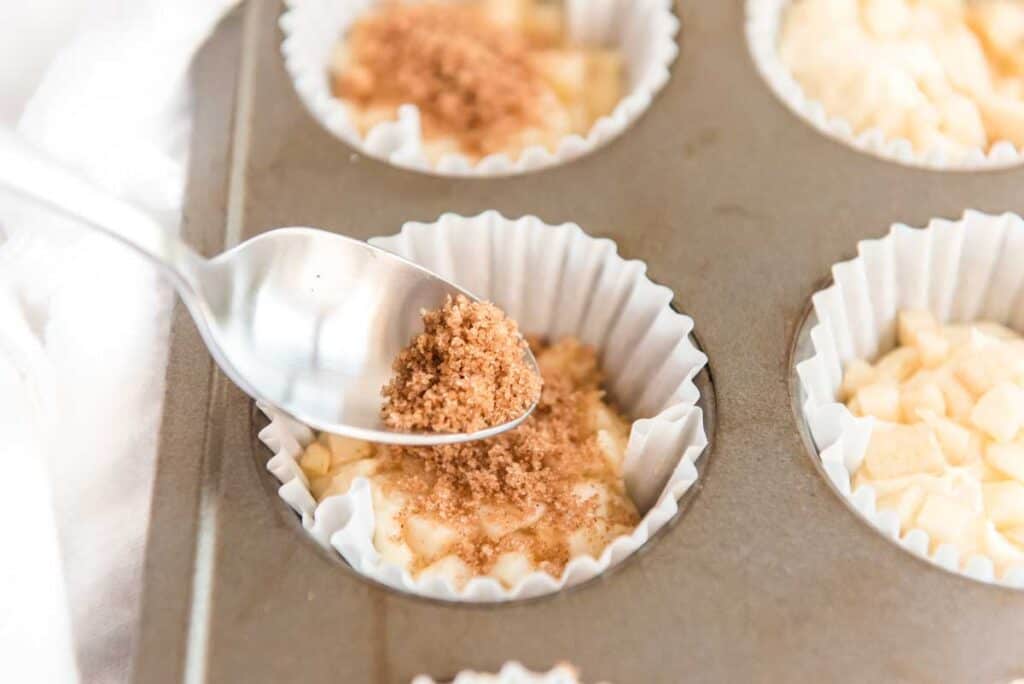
302	319
310	322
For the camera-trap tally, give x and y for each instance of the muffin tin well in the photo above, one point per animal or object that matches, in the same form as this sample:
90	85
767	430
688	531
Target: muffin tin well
961	271
764	21
738	208
646	349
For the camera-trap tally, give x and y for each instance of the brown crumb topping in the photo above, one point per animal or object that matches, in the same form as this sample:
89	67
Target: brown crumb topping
523	481
466	371
469	78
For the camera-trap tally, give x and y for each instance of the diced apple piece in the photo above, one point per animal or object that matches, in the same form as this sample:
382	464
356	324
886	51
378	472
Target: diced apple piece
1000	412
911	323
564	70
315	460
995	330
345	449
855	408
881	400
984	472
894	485
933	348
1004	503
500	521
959	402
387	532
976	448
898	450
861	478
508	13
604	82
578	115
905	504
886	18
511	567
588	541
366	118
435	148
987	364
1007	458
945	519
594	492
858	374
954	439
343	476
1003	117
612	434
428	538
319	485
923	396
1001	25
960	485
451	567
1015	353
981	340
545	25
957	335
899	364
613	447
1015	535
1003	551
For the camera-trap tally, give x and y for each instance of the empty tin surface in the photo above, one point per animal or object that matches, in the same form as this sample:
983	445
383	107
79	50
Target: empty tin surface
735	204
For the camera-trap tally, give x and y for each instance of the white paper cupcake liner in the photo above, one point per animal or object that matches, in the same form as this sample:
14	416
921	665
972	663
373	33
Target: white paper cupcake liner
644	30
554	281
510	673
961	271
764	20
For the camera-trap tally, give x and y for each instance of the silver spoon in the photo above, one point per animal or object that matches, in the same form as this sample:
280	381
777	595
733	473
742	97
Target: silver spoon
302	319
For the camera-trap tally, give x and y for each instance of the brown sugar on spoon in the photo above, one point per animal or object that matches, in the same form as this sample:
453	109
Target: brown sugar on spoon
467	371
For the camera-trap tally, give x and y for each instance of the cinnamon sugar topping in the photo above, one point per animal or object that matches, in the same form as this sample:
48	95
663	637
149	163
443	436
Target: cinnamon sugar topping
530	499
469	77
533	487
466	372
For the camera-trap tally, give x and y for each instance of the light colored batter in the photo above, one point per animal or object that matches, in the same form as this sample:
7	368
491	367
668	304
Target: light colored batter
489	77
943	74
947	450
528	500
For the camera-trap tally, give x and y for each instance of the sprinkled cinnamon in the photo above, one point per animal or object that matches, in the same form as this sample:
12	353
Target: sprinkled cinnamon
466	371
470	78
527	473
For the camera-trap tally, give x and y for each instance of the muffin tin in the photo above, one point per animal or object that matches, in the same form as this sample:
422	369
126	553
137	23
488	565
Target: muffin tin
738	207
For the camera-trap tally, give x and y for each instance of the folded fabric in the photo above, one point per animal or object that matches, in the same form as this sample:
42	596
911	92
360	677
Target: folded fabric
84	321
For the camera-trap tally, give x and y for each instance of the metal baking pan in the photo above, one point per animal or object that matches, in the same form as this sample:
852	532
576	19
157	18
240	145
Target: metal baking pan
736	205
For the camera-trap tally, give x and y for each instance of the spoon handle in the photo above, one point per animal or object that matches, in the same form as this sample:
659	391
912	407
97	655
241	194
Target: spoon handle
33	176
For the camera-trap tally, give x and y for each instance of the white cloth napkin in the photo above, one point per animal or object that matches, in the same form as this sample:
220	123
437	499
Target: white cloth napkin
83	338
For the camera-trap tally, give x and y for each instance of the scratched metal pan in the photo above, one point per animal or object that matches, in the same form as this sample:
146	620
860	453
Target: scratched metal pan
737	206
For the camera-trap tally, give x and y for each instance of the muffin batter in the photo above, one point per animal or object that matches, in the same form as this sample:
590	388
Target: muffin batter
943	74
529	499
947	449
488	77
